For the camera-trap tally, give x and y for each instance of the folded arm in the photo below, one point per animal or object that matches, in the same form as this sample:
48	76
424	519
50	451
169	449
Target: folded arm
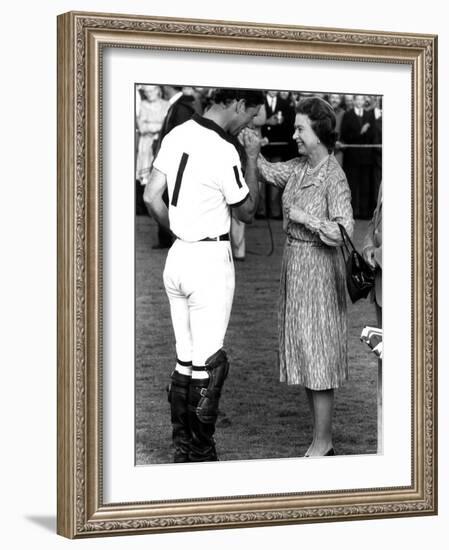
339	210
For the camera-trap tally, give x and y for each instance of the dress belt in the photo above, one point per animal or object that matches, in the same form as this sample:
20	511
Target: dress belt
302	242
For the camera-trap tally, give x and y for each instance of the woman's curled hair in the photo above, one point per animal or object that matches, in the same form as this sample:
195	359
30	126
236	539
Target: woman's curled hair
322	119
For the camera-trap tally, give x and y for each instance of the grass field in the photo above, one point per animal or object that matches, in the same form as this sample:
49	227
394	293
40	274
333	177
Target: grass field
260	417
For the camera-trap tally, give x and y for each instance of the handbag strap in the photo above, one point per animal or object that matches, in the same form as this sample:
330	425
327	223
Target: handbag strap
345	239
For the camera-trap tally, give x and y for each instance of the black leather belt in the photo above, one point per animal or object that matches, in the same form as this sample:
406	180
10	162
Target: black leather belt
224	237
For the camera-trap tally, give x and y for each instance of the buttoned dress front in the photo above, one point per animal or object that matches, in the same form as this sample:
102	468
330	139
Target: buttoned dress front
312	319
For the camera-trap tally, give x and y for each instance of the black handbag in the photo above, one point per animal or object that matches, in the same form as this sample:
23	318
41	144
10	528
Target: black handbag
359	275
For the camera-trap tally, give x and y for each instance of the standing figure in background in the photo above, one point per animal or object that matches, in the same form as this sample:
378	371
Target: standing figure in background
278	130
336	102
376	172
196	95
357	133
181	108
150	116
348	102
372	253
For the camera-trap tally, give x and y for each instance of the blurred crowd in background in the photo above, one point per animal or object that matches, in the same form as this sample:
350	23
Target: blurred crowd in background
358	149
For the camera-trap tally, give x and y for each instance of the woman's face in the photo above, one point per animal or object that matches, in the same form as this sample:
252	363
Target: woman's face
151	92
304	135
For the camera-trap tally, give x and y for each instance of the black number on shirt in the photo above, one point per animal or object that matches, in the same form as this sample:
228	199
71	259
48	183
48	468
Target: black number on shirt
182	166
237	176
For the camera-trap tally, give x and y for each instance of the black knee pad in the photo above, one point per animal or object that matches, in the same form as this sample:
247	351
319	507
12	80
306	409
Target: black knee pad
217	366
202	445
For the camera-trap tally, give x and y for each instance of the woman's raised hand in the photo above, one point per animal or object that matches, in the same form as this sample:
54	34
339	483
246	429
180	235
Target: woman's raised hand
251	141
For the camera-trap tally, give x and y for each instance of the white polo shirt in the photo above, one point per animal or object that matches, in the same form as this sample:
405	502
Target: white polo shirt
204	178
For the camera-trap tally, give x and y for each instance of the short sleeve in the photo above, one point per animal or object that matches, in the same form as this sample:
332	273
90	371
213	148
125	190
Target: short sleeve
234	187
164	158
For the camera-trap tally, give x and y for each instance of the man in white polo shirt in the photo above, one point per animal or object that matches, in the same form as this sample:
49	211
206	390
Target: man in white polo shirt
199	164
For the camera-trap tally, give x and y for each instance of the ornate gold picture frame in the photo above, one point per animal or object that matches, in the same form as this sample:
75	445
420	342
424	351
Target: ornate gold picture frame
82	510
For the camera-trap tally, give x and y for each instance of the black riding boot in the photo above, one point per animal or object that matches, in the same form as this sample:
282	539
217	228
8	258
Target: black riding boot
177	397
204	396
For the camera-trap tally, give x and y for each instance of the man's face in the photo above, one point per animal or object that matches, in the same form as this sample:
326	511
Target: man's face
335	100
349	100
243	116
359	101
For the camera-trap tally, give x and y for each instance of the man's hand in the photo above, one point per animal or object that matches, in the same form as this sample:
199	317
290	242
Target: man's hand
252	142
338	146
364	128
274	120
368	256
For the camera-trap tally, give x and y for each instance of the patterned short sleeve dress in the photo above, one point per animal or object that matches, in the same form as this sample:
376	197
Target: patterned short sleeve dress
149	122
312	320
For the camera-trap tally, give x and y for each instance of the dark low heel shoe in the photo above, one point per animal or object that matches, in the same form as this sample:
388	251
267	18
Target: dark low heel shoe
330	452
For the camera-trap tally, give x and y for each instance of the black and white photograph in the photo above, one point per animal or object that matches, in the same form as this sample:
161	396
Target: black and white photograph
258	274
226	359
193	356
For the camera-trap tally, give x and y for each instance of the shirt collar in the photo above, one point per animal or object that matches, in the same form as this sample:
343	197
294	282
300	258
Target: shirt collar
174	98
211	125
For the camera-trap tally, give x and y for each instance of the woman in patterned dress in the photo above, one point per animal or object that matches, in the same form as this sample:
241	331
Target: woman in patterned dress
150	117
312	309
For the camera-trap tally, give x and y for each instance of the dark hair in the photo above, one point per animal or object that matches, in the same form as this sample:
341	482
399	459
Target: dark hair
252	98
322	119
